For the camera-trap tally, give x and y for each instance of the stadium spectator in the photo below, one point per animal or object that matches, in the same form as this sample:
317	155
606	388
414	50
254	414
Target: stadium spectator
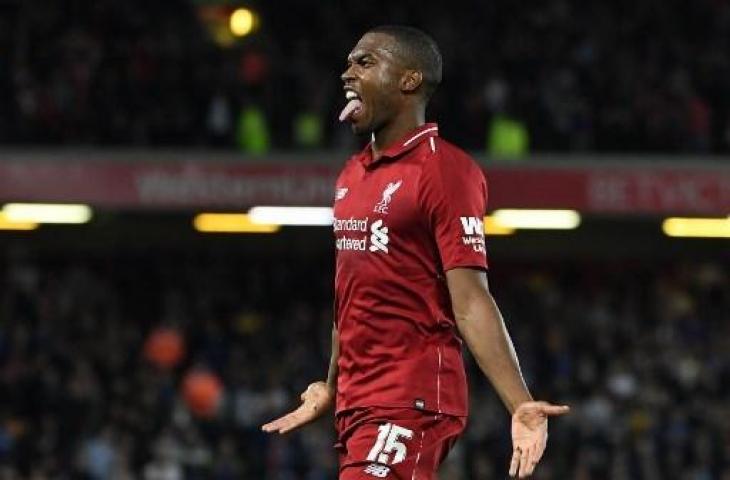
582	76
643	358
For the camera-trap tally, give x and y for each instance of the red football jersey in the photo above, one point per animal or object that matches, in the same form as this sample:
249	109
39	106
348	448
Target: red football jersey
400	223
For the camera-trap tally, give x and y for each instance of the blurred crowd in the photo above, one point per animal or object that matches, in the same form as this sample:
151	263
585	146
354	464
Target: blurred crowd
640	351
565	75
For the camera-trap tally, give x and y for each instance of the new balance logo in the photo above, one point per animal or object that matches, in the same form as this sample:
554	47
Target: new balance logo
472	225
390	189
340	193
380	471
379	238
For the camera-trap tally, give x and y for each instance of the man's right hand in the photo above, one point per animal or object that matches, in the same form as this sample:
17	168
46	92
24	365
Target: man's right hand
316	400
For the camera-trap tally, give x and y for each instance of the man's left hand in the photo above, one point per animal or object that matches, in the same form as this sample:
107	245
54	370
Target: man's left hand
529	435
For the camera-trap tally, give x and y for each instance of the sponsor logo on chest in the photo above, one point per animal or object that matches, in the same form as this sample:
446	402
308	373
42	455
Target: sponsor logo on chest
362	234
358	234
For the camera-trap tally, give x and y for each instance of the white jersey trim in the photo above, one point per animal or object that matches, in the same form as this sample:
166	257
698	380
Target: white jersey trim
418	456
420	134
438	383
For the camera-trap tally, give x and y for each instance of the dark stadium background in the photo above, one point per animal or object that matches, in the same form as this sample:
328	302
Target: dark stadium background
153	112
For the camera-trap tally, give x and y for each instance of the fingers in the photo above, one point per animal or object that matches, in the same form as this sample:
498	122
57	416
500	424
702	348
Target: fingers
555	409
520	466
315	400
284	424
524	462
515	463
533	457
541	445
275	425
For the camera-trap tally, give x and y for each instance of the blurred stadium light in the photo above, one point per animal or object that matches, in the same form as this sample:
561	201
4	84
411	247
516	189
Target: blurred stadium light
697	227
494	227
8	224
242	22
227	22
537	219
230	223
47	213
280	215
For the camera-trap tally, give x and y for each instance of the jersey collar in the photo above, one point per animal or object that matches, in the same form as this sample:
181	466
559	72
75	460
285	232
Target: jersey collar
408	142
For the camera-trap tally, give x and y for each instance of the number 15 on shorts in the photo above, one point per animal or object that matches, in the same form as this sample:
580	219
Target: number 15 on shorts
388	448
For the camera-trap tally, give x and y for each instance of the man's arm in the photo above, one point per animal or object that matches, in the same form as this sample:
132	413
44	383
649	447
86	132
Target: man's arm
317	399
482	327
332	372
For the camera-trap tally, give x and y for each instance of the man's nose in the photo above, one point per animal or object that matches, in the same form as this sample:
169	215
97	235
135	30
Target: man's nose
347	75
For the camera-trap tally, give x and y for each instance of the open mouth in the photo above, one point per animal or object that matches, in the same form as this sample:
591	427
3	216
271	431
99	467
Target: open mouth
353	107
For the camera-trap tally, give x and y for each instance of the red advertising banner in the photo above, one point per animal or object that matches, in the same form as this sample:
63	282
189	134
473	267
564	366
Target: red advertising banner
625	190
167	185
199	185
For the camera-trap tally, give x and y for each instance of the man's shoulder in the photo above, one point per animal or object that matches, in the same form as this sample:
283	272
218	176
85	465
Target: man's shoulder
448	157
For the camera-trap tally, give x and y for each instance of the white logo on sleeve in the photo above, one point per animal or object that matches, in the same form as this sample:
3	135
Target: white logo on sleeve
379	238
473	232
472	225
390	189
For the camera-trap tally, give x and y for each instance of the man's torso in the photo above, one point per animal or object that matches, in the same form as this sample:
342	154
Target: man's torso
398	344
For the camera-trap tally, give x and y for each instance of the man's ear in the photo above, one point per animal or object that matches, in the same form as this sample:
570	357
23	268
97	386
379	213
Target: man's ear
411	80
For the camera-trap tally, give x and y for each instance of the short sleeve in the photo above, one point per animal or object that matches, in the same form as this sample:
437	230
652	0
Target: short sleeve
453	196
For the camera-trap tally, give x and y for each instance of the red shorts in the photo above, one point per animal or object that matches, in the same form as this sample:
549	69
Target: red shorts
394	443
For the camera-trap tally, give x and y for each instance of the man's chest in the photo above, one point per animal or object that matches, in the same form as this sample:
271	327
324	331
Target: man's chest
376	210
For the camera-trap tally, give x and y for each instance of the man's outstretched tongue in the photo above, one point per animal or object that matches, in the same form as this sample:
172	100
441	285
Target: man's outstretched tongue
351	106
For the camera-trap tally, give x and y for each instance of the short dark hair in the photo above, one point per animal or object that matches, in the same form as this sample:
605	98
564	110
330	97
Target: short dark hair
419	51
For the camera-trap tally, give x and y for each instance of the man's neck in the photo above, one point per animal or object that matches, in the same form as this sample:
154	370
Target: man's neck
395	130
